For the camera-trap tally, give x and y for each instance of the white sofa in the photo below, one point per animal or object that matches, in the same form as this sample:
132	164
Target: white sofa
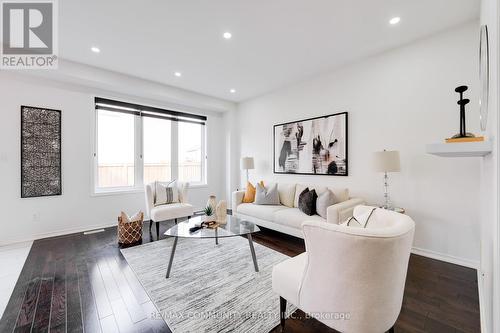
287	217
354	272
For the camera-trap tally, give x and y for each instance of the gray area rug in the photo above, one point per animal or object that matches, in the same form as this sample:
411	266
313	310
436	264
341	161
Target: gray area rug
211	288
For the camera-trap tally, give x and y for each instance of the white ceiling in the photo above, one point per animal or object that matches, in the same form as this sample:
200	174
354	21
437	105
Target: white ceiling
275	42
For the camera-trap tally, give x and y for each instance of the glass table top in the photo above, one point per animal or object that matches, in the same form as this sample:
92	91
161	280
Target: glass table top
234	227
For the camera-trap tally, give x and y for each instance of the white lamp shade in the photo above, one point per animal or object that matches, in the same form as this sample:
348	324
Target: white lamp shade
246	163
386	161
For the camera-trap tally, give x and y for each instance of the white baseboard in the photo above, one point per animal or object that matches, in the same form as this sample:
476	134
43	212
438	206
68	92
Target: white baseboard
446	258
57	233
480	289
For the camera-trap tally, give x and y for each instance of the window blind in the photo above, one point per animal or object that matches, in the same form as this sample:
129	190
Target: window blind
147	111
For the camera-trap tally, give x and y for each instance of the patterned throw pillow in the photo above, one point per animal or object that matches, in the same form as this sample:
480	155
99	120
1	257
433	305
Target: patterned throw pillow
307	202
360	221
267	196
166	193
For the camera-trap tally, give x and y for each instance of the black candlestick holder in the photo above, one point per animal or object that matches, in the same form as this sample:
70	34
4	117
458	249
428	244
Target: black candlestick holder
462	102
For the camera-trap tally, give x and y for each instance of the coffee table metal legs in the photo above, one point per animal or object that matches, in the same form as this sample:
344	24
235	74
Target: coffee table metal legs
172	256
216	238
250	242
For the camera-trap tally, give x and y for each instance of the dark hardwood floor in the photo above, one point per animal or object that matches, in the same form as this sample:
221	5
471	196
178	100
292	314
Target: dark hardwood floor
82	283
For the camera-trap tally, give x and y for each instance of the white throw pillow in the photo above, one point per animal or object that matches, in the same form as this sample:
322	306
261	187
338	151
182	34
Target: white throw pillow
134	218
287	194
341	194
267	196
166	193
325	200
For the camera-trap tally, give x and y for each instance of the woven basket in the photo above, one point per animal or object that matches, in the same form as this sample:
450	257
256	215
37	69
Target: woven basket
131	232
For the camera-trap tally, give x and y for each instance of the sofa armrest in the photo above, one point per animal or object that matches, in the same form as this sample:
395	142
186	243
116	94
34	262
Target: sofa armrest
236	199
341	211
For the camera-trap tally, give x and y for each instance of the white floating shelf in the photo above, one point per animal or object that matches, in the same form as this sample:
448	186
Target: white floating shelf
460	149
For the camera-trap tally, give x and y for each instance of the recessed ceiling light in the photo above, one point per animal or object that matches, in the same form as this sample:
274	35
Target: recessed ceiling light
232	91
227	35
95	49
178	74
395	20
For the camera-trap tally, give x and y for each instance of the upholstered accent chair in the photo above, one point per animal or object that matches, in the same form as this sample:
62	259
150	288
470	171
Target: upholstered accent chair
350	278
171	211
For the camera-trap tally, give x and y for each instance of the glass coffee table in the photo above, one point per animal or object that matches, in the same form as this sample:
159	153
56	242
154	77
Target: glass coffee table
234	227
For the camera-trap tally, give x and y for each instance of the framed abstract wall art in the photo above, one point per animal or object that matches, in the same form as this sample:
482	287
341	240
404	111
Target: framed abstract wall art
315	146
40	152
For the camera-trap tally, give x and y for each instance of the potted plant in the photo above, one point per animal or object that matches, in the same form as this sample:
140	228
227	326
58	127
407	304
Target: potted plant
209	214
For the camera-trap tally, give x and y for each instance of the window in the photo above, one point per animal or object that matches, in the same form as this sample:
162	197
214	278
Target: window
157	149
190	152
115	138
137	145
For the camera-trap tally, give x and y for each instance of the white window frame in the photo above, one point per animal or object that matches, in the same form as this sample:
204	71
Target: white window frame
203	136
139	160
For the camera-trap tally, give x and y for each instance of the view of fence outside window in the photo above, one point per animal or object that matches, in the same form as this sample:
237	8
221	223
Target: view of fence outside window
190	152
118	146
115	146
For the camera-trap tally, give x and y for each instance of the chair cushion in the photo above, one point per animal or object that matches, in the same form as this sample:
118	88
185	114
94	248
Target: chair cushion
287	277
294	218
171	211
263	212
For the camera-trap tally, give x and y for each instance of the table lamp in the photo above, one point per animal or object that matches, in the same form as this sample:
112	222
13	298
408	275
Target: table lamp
247	164
386	161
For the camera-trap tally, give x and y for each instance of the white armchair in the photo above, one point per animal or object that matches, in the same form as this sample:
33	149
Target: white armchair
171	211
350	278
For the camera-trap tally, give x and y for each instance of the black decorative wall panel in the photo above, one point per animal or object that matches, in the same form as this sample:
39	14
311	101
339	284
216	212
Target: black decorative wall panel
40	152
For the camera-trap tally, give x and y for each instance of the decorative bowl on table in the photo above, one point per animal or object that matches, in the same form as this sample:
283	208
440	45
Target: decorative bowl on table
211	218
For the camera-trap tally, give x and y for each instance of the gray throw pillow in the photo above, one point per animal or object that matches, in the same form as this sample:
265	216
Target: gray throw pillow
307	202
269	196
325	199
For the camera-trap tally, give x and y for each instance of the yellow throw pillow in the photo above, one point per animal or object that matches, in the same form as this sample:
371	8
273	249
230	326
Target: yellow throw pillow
249	195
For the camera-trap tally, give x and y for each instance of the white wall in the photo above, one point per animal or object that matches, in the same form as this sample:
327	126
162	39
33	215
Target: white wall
77	209
399	100
489	280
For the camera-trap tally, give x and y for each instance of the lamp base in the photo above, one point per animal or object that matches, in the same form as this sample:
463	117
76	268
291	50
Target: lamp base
395	209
